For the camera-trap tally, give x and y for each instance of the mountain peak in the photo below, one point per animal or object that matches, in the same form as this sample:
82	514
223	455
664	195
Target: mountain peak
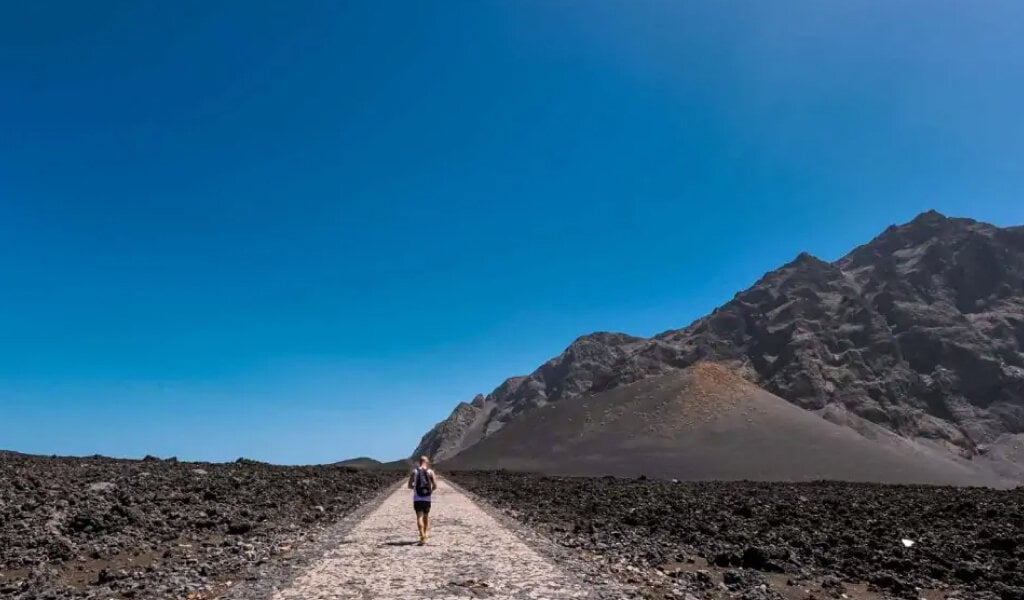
926	227
806	258
604	337
929	216
804	263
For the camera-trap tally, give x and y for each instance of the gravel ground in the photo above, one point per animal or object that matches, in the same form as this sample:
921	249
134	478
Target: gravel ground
104	528
777	540
469	554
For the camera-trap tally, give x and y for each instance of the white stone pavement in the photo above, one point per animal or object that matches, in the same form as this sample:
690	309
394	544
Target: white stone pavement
469	554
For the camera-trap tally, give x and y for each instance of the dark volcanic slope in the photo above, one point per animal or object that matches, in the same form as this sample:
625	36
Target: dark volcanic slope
704	423
920	331
968	542
591	364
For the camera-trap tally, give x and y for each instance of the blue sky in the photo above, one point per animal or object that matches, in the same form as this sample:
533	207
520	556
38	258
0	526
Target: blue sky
302	231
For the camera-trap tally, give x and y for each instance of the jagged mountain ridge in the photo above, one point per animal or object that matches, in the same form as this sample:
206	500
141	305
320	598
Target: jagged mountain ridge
921	331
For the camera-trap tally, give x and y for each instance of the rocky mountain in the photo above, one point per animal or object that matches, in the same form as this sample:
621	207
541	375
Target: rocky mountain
705	422
920	331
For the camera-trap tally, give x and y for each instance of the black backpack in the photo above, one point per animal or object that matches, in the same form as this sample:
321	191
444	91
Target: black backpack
422	483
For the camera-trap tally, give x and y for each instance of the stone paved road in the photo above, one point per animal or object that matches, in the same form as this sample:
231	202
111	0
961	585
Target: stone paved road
469	555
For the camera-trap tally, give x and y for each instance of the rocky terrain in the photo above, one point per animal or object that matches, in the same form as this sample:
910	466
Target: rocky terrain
777	540
104	528
919	331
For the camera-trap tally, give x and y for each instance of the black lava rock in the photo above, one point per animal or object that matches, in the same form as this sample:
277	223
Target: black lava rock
102	528
967	540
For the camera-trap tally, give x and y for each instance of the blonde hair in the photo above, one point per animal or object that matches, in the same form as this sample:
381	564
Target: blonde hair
424	460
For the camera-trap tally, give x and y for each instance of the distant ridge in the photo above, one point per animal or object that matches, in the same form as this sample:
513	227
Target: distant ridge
10	453
919	332
365	462
360	462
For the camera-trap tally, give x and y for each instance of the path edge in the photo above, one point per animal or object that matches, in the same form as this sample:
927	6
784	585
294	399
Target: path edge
591	572
281	574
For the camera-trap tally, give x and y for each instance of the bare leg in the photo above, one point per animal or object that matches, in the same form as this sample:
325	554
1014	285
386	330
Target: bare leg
420	526
426	525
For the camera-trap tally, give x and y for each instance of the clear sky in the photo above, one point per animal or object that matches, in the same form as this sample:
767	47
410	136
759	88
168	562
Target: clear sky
302	231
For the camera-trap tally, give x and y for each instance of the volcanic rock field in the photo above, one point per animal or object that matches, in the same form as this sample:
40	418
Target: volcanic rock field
104	528
799	540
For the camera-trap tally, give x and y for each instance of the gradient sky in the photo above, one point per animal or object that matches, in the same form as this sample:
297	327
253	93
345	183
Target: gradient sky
302	231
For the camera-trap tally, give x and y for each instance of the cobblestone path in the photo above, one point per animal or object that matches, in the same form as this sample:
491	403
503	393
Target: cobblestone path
469	554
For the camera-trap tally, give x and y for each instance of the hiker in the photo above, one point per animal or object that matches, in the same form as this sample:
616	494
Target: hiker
422	484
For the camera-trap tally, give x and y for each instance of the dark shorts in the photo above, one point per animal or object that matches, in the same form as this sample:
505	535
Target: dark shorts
421	506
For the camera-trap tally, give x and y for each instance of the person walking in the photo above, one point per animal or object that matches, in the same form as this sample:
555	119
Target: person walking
422	483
